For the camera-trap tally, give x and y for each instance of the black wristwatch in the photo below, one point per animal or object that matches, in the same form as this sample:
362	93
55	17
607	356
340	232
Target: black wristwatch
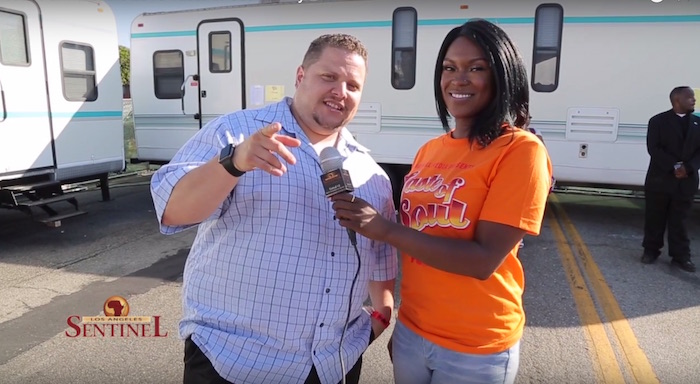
226	159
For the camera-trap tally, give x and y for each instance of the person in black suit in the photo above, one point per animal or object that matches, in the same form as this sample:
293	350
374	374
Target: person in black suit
673	142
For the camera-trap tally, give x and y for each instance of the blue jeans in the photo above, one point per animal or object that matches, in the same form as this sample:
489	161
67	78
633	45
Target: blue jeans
419	361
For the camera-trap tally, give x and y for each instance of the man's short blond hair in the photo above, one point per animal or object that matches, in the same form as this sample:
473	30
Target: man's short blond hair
337	40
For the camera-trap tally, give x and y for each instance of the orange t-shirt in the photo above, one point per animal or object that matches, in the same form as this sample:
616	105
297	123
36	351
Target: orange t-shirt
451	187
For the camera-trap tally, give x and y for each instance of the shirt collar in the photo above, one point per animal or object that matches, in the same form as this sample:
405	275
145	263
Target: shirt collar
347	140
281	112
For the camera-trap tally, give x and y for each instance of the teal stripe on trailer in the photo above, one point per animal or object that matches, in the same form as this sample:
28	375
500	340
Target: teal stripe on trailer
297	27
72	115
430	22
87	114
631	19
145	35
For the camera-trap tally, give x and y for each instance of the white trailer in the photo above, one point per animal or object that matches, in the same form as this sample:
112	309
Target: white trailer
61	104
599	70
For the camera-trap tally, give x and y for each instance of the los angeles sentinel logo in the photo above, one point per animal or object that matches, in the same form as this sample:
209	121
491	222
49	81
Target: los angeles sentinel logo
116	322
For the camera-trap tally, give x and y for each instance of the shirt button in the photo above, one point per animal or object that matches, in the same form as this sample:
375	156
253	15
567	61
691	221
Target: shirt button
332	253
321	325
328	290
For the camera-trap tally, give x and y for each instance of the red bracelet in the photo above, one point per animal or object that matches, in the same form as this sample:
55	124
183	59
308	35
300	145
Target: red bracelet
377	315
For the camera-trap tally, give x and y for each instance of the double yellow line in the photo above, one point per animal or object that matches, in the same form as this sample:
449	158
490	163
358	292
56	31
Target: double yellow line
577	261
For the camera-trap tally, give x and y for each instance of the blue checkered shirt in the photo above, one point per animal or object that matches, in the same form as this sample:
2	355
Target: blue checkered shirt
267	281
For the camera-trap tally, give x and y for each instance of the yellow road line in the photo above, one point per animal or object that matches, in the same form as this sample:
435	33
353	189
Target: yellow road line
636	358
602	354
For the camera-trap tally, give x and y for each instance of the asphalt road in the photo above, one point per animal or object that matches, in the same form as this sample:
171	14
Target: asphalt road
595	313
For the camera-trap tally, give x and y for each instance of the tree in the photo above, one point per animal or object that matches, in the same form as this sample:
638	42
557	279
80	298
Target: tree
125	63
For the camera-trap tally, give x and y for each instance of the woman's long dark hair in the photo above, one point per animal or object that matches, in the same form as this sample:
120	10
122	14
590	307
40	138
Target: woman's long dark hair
511	98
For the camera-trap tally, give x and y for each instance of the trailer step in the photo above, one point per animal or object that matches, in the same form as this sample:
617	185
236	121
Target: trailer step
47	200
32	187
41	199
55	221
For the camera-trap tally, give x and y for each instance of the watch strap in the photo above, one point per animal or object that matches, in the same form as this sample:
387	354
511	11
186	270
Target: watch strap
227	163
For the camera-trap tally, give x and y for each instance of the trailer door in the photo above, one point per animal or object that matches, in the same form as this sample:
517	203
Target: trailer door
25	132
220	67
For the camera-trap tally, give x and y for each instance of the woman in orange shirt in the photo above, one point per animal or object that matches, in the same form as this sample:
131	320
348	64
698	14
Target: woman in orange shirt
470	197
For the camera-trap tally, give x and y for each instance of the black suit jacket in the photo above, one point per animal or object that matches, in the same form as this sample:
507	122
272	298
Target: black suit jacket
666	147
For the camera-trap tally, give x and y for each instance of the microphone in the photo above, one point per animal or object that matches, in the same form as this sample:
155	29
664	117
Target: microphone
335	179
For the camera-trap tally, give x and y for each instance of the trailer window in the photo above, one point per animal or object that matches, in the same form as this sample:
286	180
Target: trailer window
220	52
13	39
168	74
78	72
403	48
549	19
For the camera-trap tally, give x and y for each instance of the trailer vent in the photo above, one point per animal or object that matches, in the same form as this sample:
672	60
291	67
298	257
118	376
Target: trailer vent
592	124
368	119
